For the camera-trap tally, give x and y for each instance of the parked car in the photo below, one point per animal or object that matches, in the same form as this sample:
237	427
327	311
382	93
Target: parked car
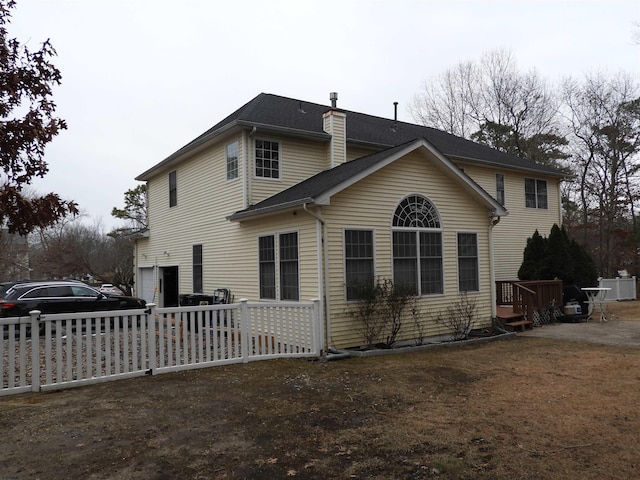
108	288
61	297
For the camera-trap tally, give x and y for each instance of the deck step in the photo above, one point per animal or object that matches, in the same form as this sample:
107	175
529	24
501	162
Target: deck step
512	320
519	325
506	313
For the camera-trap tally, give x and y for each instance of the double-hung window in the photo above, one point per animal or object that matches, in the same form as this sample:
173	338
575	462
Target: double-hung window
535	193
278	265
358	254
267	159
468	276
197	268
173	189
417	247
267	261
500	188
289	266
232	161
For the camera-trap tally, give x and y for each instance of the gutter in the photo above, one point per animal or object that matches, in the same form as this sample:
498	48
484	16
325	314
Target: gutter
278	208
188	149
493	221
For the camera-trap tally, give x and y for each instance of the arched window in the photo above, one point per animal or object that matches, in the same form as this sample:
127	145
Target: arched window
417	246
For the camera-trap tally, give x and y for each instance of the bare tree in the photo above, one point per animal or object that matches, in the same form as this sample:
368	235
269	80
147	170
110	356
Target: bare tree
77	250
14	260
603	114
494	103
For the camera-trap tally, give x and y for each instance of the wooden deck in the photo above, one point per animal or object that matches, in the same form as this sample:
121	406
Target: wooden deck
519	301
512	320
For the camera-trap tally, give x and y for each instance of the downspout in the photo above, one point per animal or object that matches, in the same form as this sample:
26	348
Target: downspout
493	221
323	276
247	200
560	204
245	157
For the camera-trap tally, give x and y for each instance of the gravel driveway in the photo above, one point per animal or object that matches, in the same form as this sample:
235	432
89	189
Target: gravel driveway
611	332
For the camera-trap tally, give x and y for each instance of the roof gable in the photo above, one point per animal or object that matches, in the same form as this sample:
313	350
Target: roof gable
319	188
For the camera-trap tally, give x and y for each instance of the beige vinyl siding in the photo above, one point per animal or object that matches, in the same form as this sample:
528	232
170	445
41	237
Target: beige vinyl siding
204	199
357	152
299	159
511	234
371	204
238	263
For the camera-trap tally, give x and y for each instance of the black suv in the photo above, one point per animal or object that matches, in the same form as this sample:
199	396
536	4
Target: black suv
61	297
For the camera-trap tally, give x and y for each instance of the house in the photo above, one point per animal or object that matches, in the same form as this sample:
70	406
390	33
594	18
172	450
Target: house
15	259
287	200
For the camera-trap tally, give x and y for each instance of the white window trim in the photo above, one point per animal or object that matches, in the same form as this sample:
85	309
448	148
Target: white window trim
504	188
175	175
344	258
472	292
255	162
226	164
417	231
536	180
276	246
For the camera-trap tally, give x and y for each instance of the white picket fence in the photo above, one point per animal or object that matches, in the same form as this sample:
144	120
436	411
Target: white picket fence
47	352
621	288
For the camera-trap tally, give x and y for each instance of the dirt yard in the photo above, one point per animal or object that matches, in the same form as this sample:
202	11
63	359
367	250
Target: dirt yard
524	408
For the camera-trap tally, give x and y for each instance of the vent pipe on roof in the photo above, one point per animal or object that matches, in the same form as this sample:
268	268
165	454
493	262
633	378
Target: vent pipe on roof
395	116
333	96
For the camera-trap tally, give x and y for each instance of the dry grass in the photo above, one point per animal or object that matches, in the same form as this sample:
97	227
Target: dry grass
626	310
525	408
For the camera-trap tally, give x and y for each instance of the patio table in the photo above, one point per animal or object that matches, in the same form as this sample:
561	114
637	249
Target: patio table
596	296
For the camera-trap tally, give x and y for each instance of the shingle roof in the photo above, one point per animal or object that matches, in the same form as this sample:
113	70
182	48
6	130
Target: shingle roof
273	111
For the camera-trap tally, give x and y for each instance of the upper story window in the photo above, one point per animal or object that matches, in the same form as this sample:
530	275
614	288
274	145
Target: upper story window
267	159
535	193
173	189
232	161
417	247
500	188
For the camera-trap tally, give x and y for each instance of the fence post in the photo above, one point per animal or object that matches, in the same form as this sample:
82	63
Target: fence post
35	350
244	330
315	326
152	327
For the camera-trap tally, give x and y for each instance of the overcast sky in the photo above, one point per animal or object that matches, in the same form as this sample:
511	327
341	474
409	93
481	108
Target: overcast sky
141	78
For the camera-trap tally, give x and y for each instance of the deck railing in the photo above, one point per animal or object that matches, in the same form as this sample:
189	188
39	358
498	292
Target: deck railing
529	296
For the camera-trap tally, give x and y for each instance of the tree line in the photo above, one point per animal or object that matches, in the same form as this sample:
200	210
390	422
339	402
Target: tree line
587	127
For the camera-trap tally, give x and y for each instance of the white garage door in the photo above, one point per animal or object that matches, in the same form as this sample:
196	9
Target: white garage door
146	285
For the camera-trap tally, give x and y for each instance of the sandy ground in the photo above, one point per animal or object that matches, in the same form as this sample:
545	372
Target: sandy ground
621	328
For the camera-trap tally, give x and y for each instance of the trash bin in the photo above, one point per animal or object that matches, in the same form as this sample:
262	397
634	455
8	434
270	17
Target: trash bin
194	299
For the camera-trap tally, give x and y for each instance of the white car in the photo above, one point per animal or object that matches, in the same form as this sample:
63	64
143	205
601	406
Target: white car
108	288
